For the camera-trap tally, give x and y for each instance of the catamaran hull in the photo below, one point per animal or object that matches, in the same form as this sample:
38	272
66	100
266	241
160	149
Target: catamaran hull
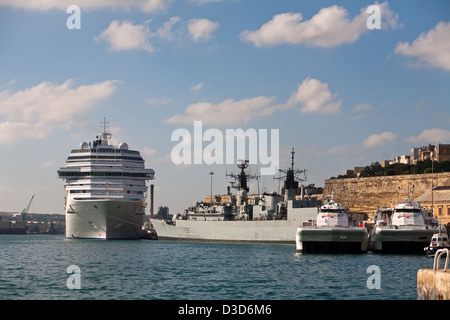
104	219
407	240
331	240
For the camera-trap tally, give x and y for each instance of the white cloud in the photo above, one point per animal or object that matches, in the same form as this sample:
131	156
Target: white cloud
43	5
159	101
9	83
315	97
431	48
362	107
48	164
434	135
227	112
202	29
127	36
167	31
33	112
313	94
200	2
340	150
330	27
379	139
197	87
148	152
361	110
10	131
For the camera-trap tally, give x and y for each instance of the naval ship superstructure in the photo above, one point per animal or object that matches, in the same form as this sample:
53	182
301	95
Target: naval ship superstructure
105	189
266	218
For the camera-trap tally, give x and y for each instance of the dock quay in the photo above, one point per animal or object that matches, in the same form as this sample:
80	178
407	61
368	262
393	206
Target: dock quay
434	284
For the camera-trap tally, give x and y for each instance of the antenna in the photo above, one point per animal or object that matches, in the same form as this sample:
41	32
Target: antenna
291	177
292	161
241	177
105	134
292	174
105	125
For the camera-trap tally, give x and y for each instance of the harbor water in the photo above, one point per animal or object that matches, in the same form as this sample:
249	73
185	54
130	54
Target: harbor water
36	267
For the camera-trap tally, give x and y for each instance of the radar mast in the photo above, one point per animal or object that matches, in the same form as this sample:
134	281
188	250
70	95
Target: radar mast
106	135
291	176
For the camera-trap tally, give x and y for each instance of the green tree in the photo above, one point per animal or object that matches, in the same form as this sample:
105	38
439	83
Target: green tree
375	169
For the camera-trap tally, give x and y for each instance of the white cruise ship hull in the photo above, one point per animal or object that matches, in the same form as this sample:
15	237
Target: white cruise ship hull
104	219
331	240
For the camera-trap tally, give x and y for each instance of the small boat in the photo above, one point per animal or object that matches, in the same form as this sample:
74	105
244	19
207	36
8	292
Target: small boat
332	233
148	232
438	241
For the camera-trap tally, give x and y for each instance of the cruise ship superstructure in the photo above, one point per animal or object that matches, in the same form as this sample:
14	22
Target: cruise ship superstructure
105	190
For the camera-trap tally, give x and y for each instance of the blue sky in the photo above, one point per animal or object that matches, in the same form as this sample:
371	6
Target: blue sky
340	94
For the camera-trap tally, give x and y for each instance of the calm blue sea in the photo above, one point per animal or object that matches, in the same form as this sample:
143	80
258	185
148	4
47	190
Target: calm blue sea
35	267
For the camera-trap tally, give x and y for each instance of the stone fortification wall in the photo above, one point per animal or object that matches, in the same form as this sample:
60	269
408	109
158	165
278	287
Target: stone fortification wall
365	195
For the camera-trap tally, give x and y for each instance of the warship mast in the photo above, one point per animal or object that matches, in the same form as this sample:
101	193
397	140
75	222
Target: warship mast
291	176
243	209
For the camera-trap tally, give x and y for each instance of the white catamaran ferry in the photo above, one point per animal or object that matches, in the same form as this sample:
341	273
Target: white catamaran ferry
332	232
406	228
105	190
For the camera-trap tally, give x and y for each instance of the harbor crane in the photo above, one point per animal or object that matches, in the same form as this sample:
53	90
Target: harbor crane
25	211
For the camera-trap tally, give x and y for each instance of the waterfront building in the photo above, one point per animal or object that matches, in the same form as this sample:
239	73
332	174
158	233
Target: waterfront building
437	202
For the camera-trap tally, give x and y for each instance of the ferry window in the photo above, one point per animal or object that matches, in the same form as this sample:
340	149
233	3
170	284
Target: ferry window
407	210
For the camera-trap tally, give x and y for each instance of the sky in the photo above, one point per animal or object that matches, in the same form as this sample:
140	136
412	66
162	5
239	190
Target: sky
339	90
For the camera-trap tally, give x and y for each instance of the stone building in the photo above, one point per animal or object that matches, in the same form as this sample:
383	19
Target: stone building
438	202
443	152
439	153
426	152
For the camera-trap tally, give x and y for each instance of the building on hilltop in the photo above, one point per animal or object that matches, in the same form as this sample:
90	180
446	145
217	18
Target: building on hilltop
443	152
413	155
386	163
403	159
426	153
439	153
355	172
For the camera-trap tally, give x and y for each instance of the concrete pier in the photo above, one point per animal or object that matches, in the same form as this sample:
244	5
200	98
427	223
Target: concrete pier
434	284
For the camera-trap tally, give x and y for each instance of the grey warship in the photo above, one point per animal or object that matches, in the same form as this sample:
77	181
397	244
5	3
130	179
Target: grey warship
266	218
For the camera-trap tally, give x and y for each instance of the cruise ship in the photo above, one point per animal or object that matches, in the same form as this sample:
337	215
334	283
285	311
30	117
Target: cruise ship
105	190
